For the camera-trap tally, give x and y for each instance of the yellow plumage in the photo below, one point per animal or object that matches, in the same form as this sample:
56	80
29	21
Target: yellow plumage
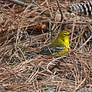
58	46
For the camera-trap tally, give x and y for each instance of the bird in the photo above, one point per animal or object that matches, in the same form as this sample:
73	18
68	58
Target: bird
59	46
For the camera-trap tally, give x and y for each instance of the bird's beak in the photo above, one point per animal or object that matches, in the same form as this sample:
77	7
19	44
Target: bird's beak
69	34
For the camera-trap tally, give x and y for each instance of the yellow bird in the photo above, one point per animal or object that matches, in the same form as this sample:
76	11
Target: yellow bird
58	46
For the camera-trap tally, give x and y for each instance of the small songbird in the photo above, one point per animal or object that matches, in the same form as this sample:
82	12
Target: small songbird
59	46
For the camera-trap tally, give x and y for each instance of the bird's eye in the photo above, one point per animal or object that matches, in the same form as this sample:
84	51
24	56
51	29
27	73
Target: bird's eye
64	34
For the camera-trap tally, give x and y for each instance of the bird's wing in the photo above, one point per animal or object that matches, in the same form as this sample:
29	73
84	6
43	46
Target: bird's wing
50	50
56	49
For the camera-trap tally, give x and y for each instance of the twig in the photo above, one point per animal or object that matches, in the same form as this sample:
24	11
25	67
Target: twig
79	85
85	42
60	10
19	2
31	25
23	27
71	22
79	22
72	33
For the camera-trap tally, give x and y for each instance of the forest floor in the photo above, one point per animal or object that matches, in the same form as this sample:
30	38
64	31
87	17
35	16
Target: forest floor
24	30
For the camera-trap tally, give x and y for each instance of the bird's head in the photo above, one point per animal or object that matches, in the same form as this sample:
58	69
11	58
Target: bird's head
64	36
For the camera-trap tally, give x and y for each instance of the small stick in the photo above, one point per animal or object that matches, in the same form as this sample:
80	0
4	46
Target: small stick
79	85
60	10
71	22
19	2
85	42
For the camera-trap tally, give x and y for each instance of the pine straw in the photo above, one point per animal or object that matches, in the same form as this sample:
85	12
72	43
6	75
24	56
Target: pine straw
22	69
